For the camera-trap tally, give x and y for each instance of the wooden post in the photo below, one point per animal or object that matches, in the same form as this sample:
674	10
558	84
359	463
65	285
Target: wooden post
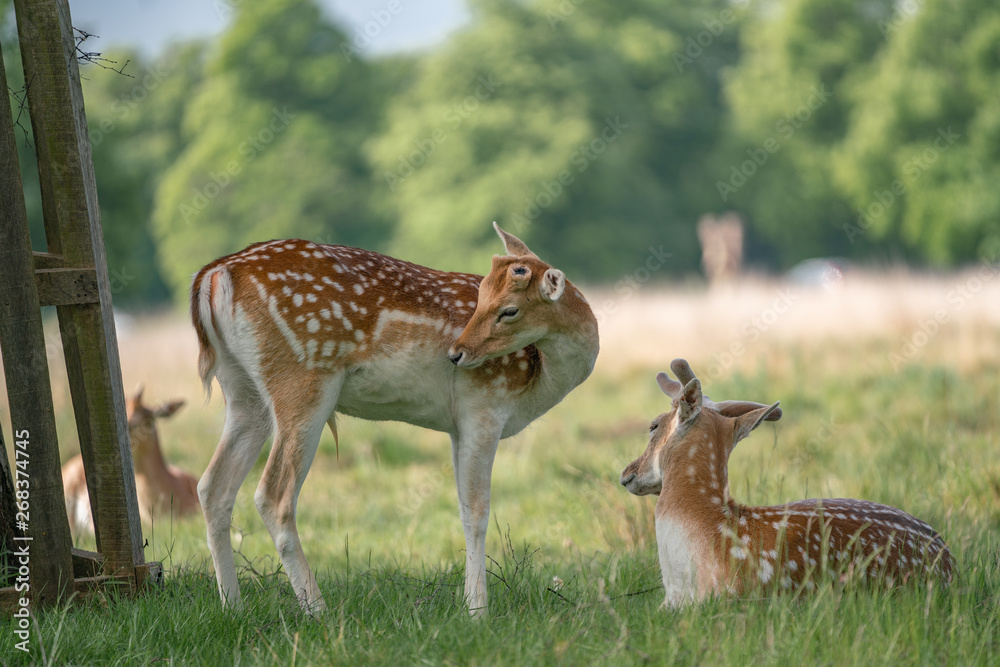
29	394
73	231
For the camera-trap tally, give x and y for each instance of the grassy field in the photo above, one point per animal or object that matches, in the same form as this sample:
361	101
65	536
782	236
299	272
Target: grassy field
890	388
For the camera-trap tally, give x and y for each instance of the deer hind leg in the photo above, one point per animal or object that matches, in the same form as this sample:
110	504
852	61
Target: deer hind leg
248	426
299	423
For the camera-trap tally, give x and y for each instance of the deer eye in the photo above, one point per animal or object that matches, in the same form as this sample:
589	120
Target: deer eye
507	313
652	427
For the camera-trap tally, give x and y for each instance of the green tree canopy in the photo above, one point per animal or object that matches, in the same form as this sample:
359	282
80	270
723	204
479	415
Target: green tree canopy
572	125
790	107
134	126
595	130
272	143
921	159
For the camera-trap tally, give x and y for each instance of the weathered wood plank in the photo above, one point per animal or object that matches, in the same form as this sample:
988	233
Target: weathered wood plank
48	260
73	229
148	576
29	393
87	563
64	287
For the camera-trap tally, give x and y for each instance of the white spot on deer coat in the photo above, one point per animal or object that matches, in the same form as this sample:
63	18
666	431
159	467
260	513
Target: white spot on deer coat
766	571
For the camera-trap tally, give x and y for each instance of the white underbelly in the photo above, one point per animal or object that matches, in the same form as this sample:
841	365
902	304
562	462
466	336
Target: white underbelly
415	388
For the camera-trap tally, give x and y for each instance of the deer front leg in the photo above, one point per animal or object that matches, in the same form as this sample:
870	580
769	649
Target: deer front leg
472	455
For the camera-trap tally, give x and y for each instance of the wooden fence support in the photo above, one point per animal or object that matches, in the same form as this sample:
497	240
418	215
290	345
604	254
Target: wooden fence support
72	275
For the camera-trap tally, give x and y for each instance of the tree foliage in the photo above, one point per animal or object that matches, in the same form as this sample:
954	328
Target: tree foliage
272	138
921	159
570	124
599	131
789	111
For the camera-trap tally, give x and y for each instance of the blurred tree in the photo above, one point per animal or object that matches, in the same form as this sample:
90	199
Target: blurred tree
272	140
134	124
790	106
133	118
921	160
600	131
580	126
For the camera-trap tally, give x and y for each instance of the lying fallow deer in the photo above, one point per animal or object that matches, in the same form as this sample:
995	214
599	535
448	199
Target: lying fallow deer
162	489
709	543
296	332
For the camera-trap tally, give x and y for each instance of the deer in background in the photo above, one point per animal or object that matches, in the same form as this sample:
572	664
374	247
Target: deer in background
162	489
708	543
721	247
296	332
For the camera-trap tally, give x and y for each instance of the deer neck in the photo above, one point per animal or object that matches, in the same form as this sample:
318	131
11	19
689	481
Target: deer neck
147	459
569	349
696	481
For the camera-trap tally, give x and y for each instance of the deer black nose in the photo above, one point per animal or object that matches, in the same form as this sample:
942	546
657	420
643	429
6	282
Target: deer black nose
456	357
627	477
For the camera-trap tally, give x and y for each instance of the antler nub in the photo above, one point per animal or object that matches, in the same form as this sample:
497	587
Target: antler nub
668	385
673	389
682	369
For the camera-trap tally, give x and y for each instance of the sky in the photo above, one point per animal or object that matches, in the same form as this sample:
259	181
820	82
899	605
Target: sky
150	25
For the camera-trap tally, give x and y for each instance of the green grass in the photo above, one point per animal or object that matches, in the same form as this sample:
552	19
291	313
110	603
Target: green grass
380	527
606	610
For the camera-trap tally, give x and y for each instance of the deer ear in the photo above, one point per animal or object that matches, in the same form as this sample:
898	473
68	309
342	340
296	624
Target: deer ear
669	386
553	284
168	409
520	276
749	421
513	245
740	408
689	402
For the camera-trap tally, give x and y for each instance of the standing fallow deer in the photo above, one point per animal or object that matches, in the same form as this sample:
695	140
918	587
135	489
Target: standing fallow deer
710	544
296	332
721	241
163	490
